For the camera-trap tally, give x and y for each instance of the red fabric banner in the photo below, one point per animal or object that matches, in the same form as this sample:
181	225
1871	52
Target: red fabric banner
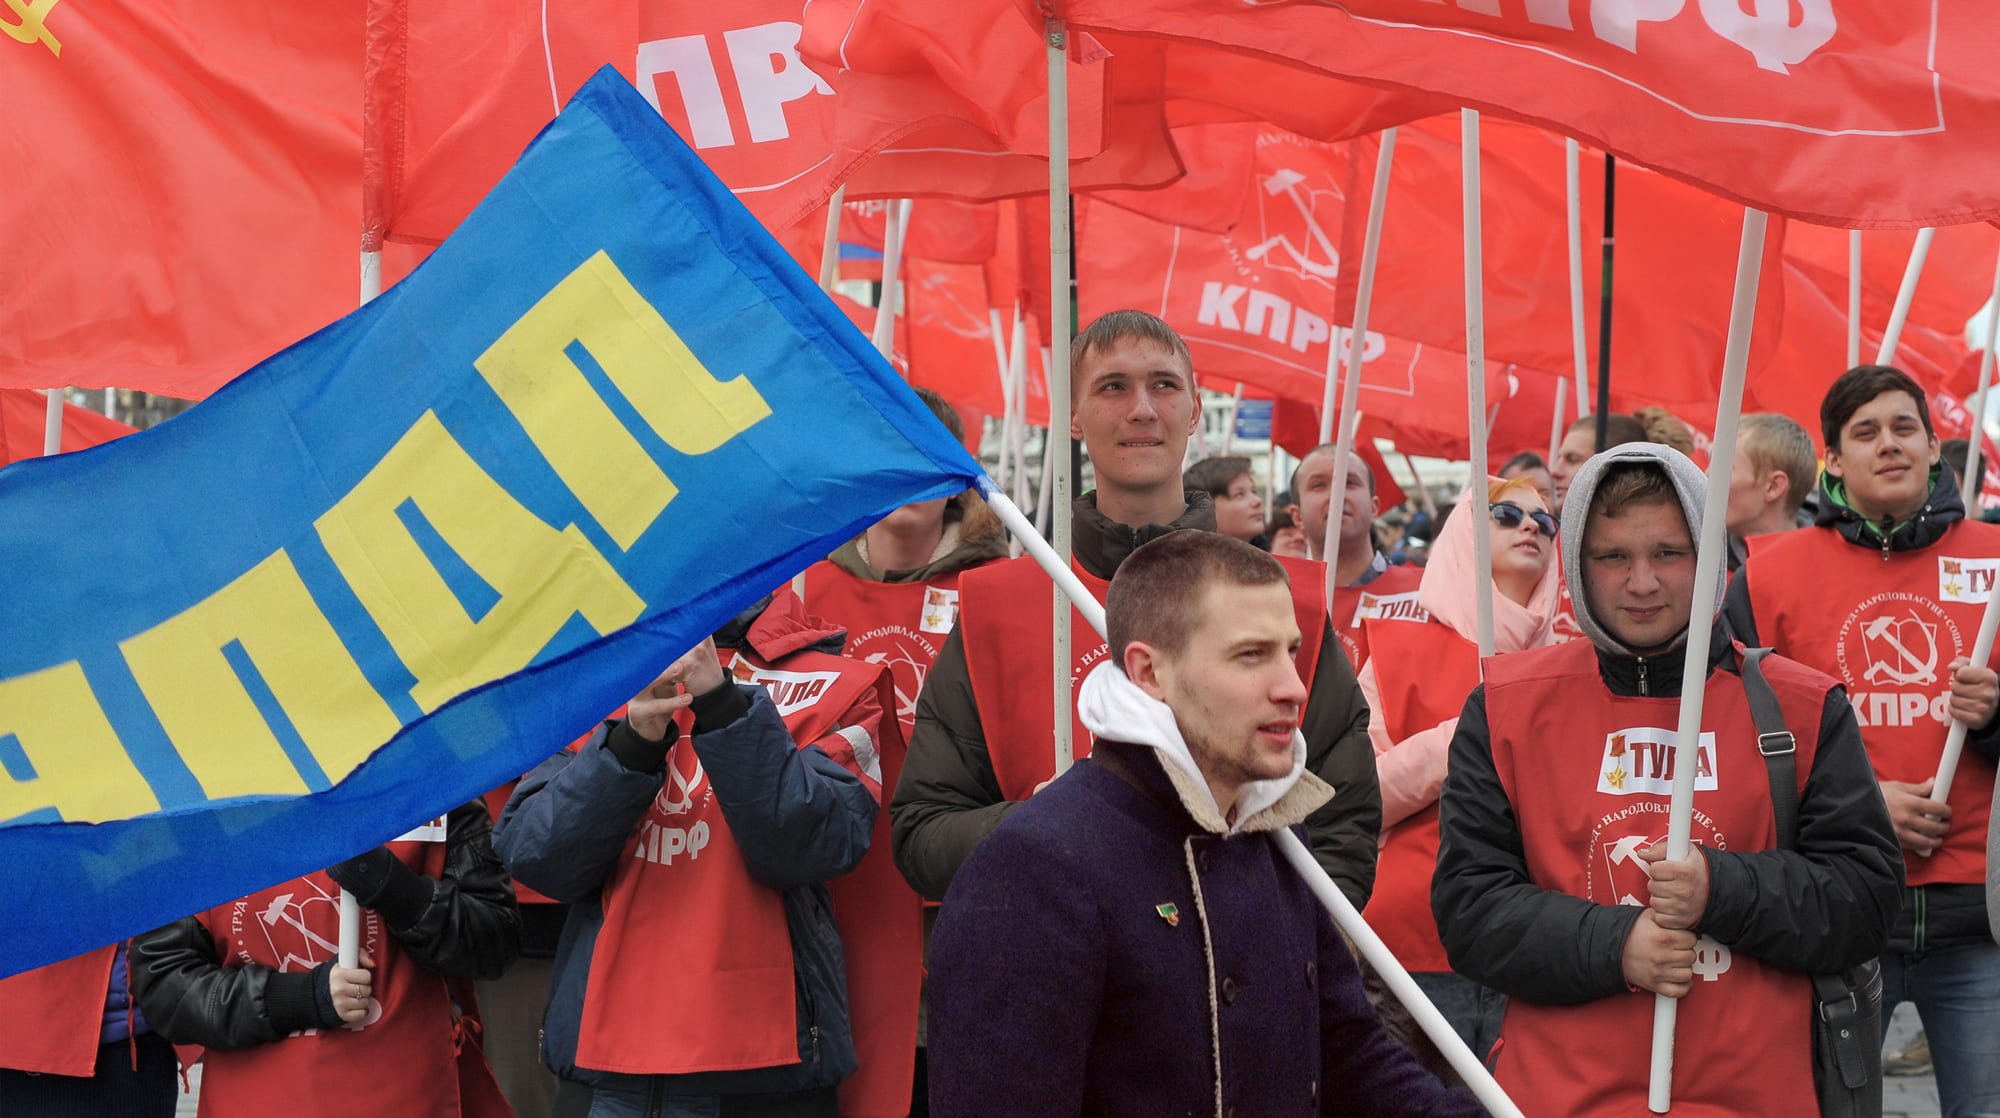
23	418
1880	115
191	195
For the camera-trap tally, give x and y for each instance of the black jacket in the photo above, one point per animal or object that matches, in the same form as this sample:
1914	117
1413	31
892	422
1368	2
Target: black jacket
948	798
1933	916
462	925
1826	906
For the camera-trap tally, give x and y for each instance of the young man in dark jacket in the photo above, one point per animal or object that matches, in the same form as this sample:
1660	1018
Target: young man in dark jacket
1552	884
1885	593
1131	941
701	967
983	741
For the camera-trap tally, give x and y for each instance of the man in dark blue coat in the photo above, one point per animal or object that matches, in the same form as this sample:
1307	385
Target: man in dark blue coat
1131	941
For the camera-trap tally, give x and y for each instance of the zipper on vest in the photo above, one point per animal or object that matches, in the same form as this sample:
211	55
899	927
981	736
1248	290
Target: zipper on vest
1643	689
1887	523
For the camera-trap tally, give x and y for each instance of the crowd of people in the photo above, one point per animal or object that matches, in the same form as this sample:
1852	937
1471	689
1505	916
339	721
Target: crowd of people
825	865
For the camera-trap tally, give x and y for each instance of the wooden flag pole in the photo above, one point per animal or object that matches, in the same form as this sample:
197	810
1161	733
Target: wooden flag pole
1710	551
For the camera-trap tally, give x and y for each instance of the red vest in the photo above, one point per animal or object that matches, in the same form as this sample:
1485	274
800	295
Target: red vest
898	624
730	974
1389	596
1007	614
419	1024
51	1017
1423	671
1589	776
1886	624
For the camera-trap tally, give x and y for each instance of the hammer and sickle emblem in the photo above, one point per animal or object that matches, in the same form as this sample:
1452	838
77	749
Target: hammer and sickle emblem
33	14
1889	631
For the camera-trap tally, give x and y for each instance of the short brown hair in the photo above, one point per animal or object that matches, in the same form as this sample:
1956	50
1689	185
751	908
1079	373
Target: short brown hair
1619	429
1851	390
1213	476
1153	595
975	520
1110	329
1776	442
1624	484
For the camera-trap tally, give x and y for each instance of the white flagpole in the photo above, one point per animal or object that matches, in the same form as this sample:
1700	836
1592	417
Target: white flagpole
1229	428
1556	418
1475	372
829	251
1004	466
1905	295
52	423
1572	159
1344	915
1017	371
349	945
892	276
1711	549
1982	647
1853	297
1973	451
1350	387
1057	37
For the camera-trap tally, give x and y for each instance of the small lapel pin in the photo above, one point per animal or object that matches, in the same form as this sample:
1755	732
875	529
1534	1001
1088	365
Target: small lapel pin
1169	912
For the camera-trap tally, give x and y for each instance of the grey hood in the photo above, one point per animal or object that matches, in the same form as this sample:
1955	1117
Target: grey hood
1689	482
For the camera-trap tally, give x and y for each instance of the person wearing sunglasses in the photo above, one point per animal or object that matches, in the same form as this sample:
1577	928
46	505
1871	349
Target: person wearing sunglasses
1416	681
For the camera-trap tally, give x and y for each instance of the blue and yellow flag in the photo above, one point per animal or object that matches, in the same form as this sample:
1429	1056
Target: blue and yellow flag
406	559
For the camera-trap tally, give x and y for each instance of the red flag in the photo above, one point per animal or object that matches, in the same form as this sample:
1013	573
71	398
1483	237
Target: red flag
951	340
455	92
1957	277
191	200
1876	115
940	229
23	418
1674	266
1253	307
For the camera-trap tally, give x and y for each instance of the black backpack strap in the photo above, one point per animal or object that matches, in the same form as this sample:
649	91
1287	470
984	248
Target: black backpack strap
1776	743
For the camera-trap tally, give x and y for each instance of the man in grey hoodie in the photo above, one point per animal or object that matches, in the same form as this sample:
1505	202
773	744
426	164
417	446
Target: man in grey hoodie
1552	884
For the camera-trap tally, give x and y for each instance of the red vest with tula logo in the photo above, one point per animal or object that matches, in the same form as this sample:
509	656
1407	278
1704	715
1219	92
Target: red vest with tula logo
1888	624
1590	776
1009	633
693	970
1423	672
1389	596
398	1061
900	625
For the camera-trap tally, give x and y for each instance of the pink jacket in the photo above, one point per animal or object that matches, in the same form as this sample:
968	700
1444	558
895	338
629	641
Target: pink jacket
1412	770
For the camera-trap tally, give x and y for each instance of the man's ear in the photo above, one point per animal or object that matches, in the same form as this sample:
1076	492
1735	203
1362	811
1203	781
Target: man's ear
1143	666
1775	486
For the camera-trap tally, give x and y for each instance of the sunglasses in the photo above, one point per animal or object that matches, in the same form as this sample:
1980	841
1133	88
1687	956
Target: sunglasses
1509	515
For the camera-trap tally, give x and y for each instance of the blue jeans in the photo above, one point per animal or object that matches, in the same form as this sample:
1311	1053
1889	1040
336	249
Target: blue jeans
1957	994
1473	1011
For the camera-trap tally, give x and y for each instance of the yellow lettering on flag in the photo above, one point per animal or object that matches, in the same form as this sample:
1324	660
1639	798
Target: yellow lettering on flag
81	768
543	576
33	15
600	461
209	714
